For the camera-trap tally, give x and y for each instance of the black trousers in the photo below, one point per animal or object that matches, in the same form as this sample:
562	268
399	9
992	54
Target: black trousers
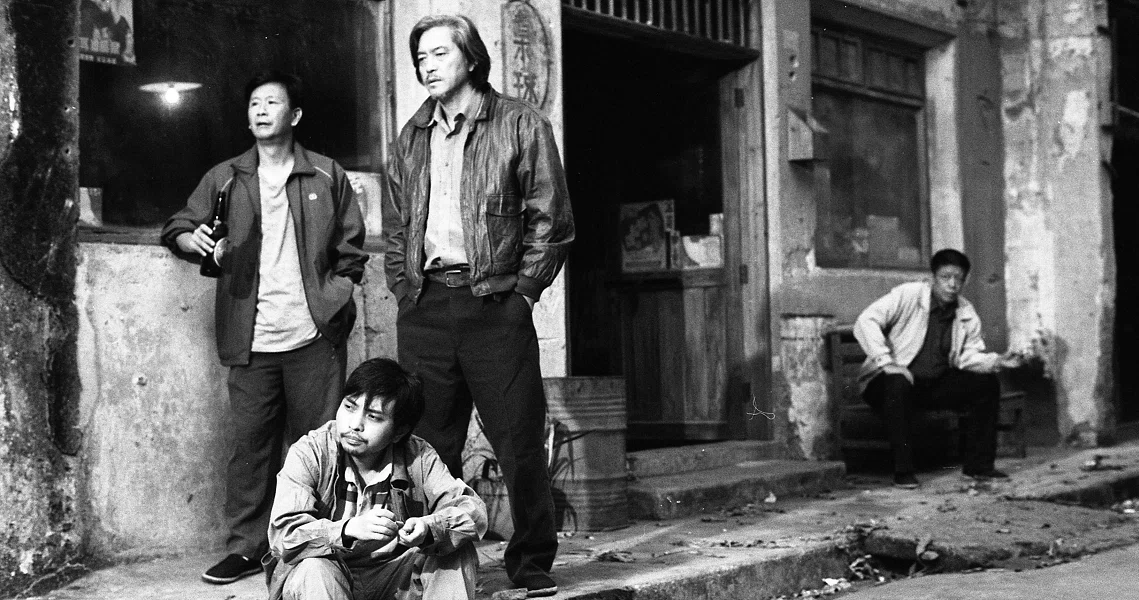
274	400
485	351
977	394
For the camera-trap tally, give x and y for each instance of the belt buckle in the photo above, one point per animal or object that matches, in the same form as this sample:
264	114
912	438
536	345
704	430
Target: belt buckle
456	280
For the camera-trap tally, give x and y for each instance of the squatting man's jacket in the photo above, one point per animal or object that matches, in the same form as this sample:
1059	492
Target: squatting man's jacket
300	524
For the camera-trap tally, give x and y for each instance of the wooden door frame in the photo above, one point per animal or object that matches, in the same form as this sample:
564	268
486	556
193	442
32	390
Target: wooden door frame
750	406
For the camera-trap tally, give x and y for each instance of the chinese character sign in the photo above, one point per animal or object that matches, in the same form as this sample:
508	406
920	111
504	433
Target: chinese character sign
106	31
525	52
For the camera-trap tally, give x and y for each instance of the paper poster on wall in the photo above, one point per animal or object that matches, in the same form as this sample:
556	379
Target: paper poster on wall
645	231
106	31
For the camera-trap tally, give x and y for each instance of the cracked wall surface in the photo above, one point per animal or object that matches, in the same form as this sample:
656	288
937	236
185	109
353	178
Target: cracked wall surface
40	485
1059	245
155	406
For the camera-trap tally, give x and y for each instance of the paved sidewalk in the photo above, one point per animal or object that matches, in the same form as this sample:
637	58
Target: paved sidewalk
769	549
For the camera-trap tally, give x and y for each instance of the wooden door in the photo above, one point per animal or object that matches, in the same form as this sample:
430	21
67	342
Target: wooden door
749	406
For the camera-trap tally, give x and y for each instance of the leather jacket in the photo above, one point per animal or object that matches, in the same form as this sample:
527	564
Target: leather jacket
517	220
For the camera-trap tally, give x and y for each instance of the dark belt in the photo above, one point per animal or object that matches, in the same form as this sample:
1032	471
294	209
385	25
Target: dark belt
451	277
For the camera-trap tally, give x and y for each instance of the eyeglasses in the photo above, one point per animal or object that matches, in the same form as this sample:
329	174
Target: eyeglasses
951	277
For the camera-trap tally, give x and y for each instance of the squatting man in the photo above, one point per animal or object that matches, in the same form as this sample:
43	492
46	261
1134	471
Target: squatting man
365	510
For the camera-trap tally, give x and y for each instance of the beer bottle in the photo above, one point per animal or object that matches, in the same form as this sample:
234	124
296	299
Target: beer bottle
211	263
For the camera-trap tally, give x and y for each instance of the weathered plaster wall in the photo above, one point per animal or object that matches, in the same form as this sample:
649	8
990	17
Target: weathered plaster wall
39	484
982	165
1059	244
154	405
809	411
801	290
550	313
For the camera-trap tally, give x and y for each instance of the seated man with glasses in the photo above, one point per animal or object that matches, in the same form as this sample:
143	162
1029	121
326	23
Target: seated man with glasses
924	350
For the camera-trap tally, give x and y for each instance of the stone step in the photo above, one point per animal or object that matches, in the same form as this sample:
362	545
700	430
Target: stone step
709	490
685	459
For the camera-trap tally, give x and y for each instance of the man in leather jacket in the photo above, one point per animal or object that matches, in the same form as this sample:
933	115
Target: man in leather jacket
477	223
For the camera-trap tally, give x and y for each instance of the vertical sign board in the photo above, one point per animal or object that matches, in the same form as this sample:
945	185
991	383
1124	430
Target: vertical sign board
525	53
106	31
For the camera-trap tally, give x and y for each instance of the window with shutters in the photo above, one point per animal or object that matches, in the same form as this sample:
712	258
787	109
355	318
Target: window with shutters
869	96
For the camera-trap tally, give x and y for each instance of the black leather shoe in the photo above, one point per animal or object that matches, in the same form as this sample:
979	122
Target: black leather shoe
906	481
986	474
230	569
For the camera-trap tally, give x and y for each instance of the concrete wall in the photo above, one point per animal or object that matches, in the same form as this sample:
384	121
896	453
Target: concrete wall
40	486
154	405
550	312
1060	255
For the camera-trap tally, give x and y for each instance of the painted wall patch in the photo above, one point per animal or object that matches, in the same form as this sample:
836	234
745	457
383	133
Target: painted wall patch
525	53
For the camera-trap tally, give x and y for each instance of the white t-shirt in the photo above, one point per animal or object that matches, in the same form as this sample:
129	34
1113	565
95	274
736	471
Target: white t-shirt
283	320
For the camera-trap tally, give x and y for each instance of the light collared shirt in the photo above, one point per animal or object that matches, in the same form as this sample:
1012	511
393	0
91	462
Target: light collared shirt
443	241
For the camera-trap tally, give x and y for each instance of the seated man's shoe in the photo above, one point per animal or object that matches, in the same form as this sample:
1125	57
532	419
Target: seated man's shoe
906	481
230	569
986	474
537	585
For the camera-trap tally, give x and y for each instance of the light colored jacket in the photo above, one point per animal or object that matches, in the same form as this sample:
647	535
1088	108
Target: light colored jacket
300	525
892	330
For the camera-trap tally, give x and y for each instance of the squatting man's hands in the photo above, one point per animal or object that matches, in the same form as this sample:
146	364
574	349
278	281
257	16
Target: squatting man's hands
378	524
413	532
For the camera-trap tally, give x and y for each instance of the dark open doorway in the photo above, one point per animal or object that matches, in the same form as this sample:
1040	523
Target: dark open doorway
642	124
1125	191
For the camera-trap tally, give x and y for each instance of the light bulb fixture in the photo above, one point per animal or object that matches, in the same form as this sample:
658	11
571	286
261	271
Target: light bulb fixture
170	92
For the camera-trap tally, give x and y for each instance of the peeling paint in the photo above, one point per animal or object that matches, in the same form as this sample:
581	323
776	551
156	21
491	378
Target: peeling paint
1073	128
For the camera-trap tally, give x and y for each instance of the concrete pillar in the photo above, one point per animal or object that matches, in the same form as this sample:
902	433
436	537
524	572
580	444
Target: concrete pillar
39	485
809	412
1060	257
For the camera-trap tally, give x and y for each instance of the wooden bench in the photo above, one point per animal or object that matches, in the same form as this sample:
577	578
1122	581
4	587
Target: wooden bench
857	427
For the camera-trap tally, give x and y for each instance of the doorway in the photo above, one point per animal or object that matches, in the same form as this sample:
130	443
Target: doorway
1125	216
643	128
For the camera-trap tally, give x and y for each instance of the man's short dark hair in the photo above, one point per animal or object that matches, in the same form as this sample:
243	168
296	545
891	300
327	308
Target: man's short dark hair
949	256
292	84
467	40
384	378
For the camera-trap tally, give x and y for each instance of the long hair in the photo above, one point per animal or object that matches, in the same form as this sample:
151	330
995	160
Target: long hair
467	40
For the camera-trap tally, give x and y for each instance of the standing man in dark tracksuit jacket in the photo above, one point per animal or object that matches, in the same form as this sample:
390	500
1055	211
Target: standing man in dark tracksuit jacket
477	223
284	305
